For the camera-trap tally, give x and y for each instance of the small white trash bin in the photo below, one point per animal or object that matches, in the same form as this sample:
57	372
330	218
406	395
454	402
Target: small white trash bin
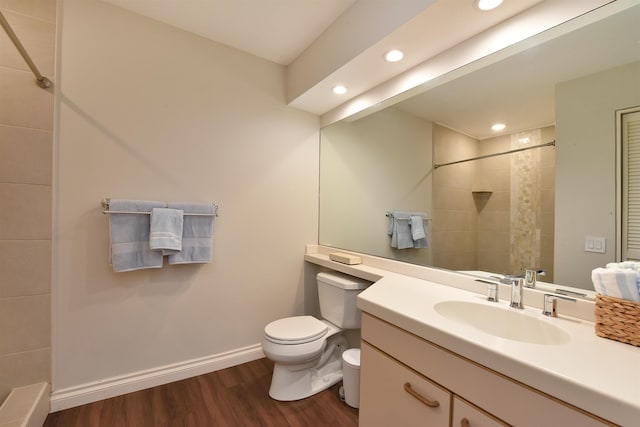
351	376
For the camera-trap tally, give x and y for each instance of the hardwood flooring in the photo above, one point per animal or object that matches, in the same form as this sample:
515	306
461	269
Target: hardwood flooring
233	397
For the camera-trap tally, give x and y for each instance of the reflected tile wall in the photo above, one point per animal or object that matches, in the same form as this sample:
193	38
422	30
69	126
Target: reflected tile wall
26	141
475	232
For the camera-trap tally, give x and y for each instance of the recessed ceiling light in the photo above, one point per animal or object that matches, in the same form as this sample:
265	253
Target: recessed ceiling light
487	4
498	127
339	90
394	55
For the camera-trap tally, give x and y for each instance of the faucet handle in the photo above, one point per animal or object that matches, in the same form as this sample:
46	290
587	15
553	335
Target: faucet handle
549	304
492	292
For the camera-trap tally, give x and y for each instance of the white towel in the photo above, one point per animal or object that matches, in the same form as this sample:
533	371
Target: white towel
617	282
129	234
635	265
197	233
166	230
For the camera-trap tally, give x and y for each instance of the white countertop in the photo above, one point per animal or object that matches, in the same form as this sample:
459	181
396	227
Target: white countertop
598	375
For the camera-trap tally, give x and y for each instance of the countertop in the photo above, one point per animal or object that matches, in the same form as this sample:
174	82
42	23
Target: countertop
599	375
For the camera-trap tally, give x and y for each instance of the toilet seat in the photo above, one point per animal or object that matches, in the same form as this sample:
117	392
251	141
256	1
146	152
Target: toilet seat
295	330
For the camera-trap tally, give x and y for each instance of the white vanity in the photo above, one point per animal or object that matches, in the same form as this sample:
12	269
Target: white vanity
436	352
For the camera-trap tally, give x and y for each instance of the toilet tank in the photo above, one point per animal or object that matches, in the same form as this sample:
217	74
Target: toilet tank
337	293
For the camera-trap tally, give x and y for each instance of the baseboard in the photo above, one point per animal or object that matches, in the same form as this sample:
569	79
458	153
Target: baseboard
116	386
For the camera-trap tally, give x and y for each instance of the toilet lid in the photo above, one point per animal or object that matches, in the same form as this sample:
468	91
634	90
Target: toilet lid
295	330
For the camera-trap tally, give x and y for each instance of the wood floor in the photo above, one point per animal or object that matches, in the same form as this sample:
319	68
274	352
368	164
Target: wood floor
233	397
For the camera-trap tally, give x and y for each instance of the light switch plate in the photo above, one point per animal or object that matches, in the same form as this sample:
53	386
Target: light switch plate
595	244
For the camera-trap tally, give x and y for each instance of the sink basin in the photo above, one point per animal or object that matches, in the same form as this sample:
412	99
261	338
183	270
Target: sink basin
503	322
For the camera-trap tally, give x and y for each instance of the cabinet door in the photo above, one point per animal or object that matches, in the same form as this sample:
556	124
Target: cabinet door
393	395
468	415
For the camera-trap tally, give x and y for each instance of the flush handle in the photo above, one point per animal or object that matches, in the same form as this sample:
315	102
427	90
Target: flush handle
421	398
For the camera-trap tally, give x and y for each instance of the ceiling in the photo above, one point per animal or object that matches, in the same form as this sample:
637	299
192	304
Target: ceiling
329	42
520	90
276	30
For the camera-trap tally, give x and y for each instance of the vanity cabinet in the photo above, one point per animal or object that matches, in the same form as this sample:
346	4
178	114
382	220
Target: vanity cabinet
467	394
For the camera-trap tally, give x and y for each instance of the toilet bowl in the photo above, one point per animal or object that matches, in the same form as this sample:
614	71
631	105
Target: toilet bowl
306	351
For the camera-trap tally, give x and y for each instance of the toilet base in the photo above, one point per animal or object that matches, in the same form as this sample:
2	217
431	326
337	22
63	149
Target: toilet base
288	385
295	382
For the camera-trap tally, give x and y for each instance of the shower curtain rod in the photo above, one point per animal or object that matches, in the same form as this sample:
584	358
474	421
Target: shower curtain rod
486	156
42	81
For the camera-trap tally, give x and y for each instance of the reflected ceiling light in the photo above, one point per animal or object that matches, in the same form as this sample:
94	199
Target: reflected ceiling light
487	4
524	140
339	90
394	55
498	127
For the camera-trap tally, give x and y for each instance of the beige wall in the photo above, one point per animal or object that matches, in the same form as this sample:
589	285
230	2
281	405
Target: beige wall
586	168
26	125
150	112
377	164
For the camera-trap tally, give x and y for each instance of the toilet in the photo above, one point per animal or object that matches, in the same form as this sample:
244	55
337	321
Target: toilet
306	351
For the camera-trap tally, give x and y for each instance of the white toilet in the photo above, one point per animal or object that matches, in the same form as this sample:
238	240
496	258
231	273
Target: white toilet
306	351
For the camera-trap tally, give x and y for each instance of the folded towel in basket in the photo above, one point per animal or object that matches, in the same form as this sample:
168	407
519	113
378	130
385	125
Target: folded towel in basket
166	230
617	282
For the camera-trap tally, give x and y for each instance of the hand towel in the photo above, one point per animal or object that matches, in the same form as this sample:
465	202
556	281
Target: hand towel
617	282
197	233
129	234
166	230
417	227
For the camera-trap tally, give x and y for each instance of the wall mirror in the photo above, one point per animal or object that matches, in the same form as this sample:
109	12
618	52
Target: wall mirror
553	207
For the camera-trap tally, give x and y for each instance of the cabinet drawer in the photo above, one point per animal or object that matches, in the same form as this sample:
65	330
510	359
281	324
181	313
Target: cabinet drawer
468	415
385	400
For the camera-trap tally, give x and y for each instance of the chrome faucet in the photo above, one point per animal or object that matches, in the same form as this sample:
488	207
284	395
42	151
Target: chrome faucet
530	276
516	293
549	305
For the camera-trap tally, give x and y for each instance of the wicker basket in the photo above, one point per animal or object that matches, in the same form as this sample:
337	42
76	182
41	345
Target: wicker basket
617	319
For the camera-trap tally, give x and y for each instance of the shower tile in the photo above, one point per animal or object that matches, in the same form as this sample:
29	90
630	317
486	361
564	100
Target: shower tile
26	211
25	323
25	155
25	267
24	103
40	9
37	37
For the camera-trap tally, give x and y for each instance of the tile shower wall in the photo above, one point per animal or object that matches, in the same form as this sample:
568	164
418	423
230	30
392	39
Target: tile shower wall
455	220
474	231
26	141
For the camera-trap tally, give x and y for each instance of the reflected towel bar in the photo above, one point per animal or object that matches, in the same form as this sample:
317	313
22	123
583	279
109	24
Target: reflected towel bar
388	214
41	80
486	156
105	205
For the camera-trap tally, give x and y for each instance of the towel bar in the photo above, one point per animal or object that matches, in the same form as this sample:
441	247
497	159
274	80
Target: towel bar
105	205
388	214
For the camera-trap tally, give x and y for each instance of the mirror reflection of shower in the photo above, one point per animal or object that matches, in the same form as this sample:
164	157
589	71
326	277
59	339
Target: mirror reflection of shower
493	214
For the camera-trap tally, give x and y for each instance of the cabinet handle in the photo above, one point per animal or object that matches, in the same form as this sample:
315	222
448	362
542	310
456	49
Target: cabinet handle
464	423
421	398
